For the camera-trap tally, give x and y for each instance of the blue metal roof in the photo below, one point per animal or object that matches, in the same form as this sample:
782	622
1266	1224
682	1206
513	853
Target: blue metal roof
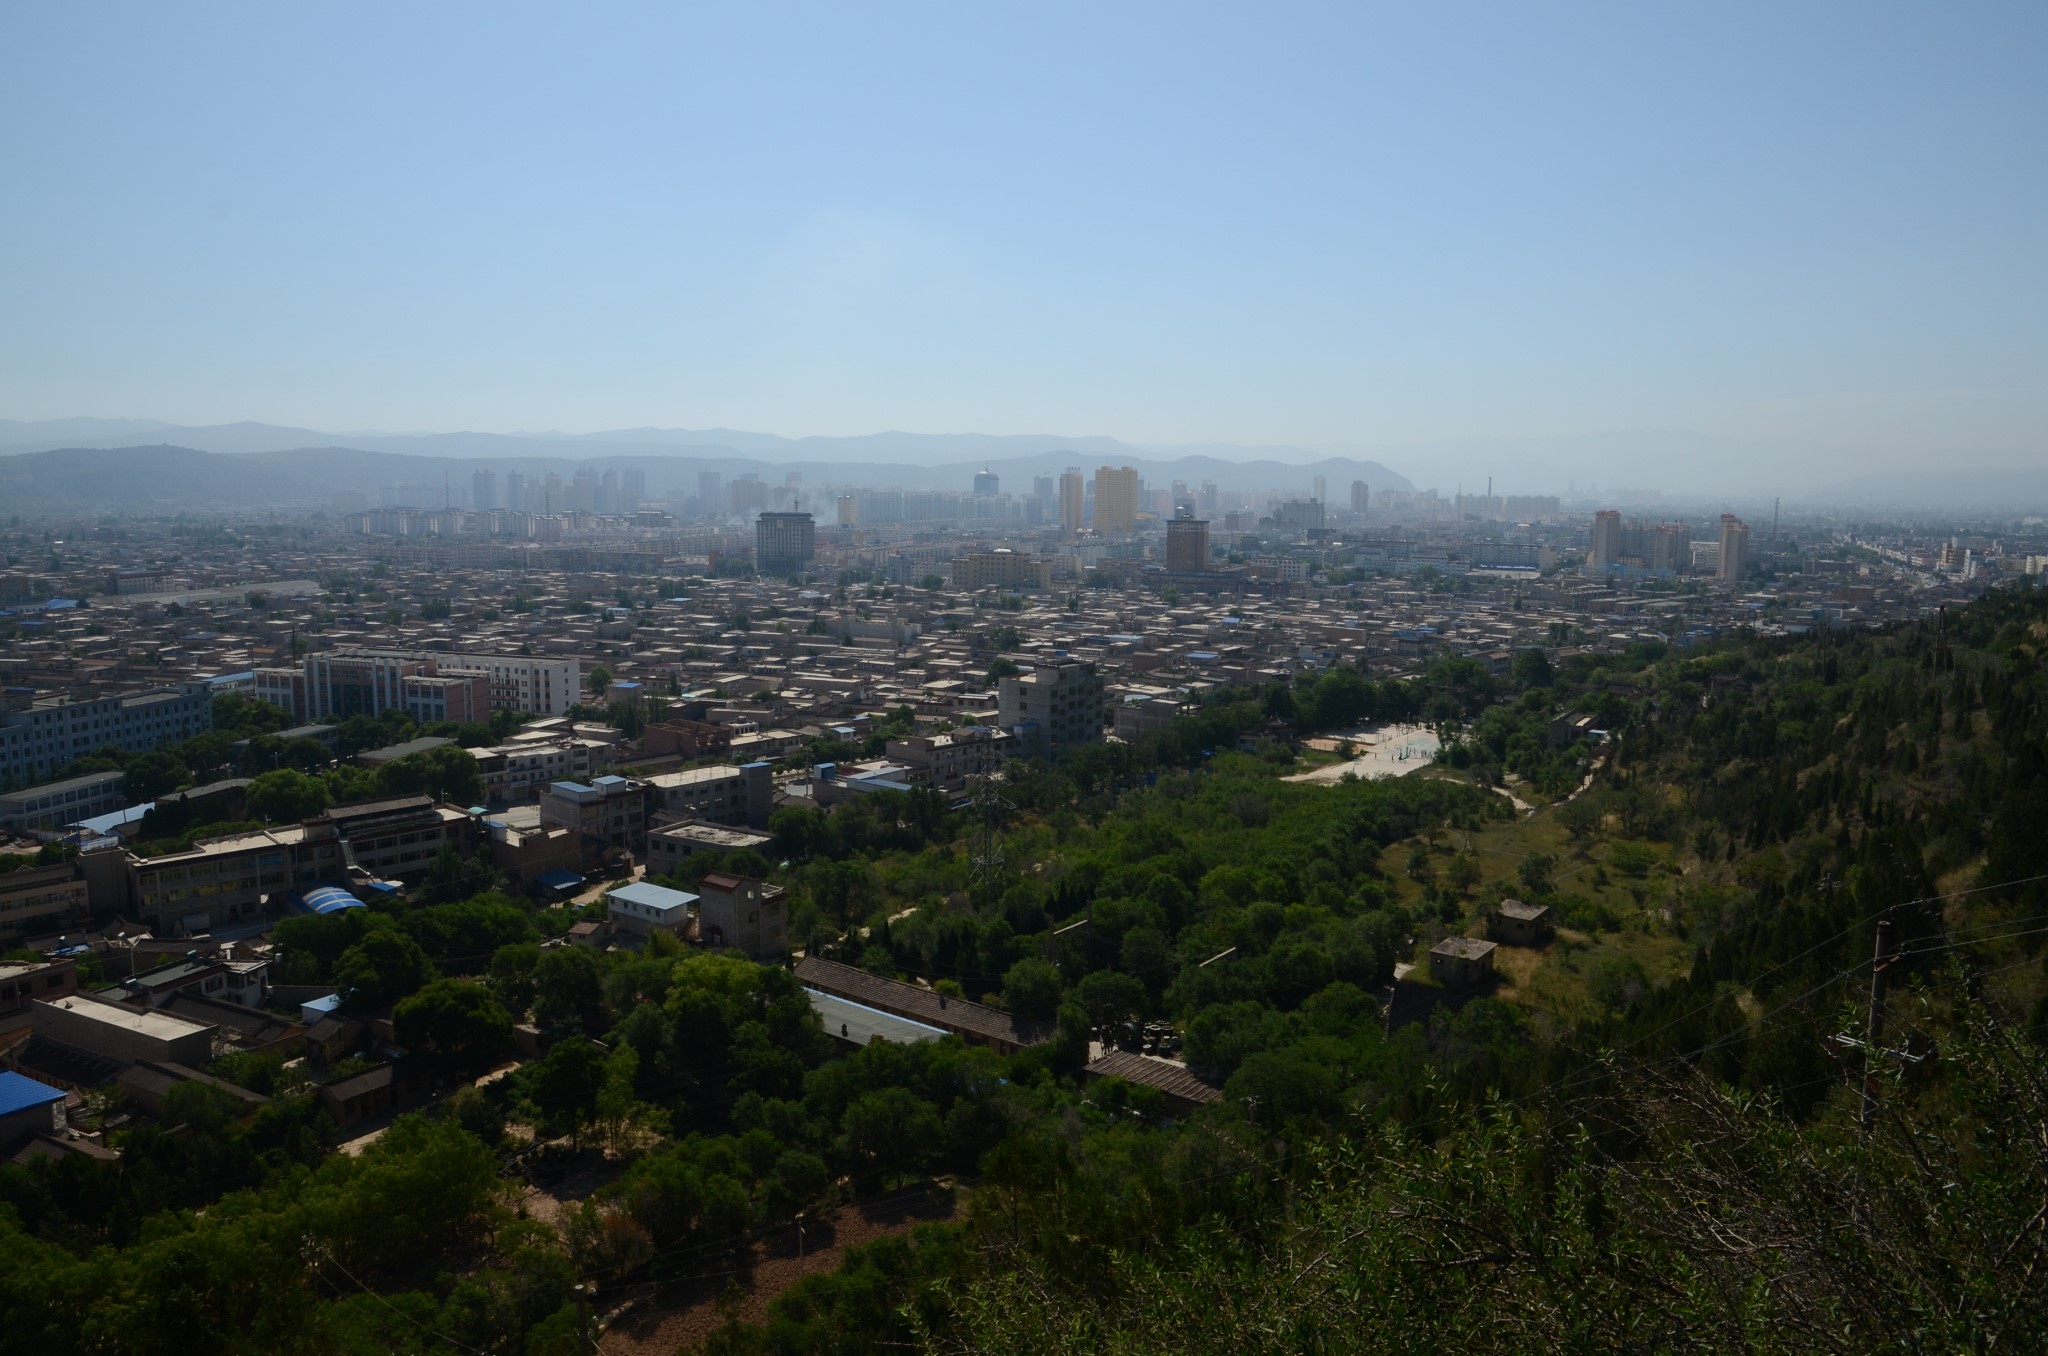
19	1092
328	899
558	879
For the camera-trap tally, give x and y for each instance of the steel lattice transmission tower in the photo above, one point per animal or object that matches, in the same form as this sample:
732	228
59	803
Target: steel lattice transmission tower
990	811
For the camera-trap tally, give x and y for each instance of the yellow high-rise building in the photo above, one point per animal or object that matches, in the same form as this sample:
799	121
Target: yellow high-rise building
1116	499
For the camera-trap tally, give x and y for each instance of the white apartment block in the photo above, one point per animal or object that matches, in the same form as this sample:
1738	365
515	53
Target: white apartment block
340	683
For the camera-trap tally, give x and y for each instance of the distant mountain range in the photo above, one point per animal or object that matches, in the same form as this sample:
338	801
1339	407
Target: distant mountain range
236	470
151	462
915	449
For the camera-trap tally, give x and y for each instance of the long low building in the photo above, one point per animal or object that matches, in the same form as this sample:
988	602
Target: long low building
974	1023
228	879
120	1033
56	804
1183	1091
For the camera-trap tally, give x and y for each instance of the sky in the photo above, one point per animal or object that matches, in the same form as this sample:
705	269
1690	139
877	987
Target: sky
1815	226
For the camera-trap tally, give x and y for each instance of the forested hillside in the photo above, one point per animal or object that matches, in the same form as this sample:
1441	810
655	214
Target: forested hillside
1644	1135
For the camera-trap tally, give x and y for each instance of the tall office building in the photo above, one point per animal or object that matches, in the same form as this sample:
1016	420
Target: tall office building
1734	550
1361	496
783	542
1605	548
583	490
849	509
1322	495
1212	500
515	491
1305	514
1187	545
987	482
1042	489
483	489
1116	499
1073	494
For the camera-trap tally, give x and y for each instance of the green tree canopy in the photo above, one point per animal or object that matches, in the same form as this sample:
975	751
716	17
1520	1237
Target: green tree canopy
286	796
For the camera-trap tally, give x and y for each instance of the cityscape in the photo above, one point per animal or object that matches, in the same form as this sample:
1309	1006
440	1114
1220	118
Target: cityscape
694	681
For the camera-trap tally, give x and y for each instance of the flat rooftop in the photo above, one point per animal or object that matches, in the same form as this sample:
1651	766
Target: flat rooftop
715	835
142	1021
857	1023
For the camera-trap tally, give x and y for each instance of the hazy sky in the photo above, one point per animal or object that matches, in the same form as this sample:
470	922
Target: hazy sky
1341	225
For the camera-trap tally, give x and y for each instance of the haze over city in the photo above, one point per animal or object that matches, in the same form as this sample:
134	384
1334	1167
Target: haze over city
1796	246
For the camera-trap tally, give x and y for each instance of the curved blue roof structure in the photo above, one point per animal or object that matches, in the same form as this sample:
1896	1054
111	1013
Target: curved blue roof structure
326	899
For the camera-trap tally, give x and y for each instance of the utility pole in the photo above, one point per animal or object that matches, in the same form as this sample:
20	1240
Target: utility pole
1874	1029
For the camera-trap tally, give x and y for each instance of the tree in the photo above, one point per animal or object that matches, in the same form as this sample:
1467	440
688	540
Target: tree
286	796
155	774
564	1088
890	1132
1532	668
1464	873
1109	996
568	990
932	582
384	967
462	937
1581	819
453	877
456	1025
599	680
1031	988
1535	873
447	773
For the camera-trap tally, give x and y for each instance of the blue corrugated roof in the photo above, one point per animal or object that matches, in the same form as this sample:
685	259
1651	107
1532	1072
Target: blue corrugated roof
19	1092
328	899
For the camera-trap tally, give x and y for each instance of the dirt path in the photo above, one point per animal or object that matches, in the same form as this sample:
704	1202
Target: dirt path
678	1314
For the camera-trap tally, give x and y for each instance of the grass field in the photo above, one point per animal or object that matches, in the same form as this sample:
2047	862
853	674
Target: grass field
1584	964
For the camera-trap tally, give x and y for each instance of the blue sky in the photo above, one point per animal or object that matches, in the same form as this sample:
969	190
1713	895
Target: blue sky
1341	226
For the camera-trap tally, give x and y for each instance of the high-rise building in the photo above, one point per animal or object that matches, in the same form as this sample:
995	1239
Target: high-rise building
515	491
1604	551
783	542
632	489
1116	499
987	482
483	489
710	491
1073	493
1187	545
1042	489
849	509
1305	514
1734	550
1211	499
1361	496
1322	492
583	490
